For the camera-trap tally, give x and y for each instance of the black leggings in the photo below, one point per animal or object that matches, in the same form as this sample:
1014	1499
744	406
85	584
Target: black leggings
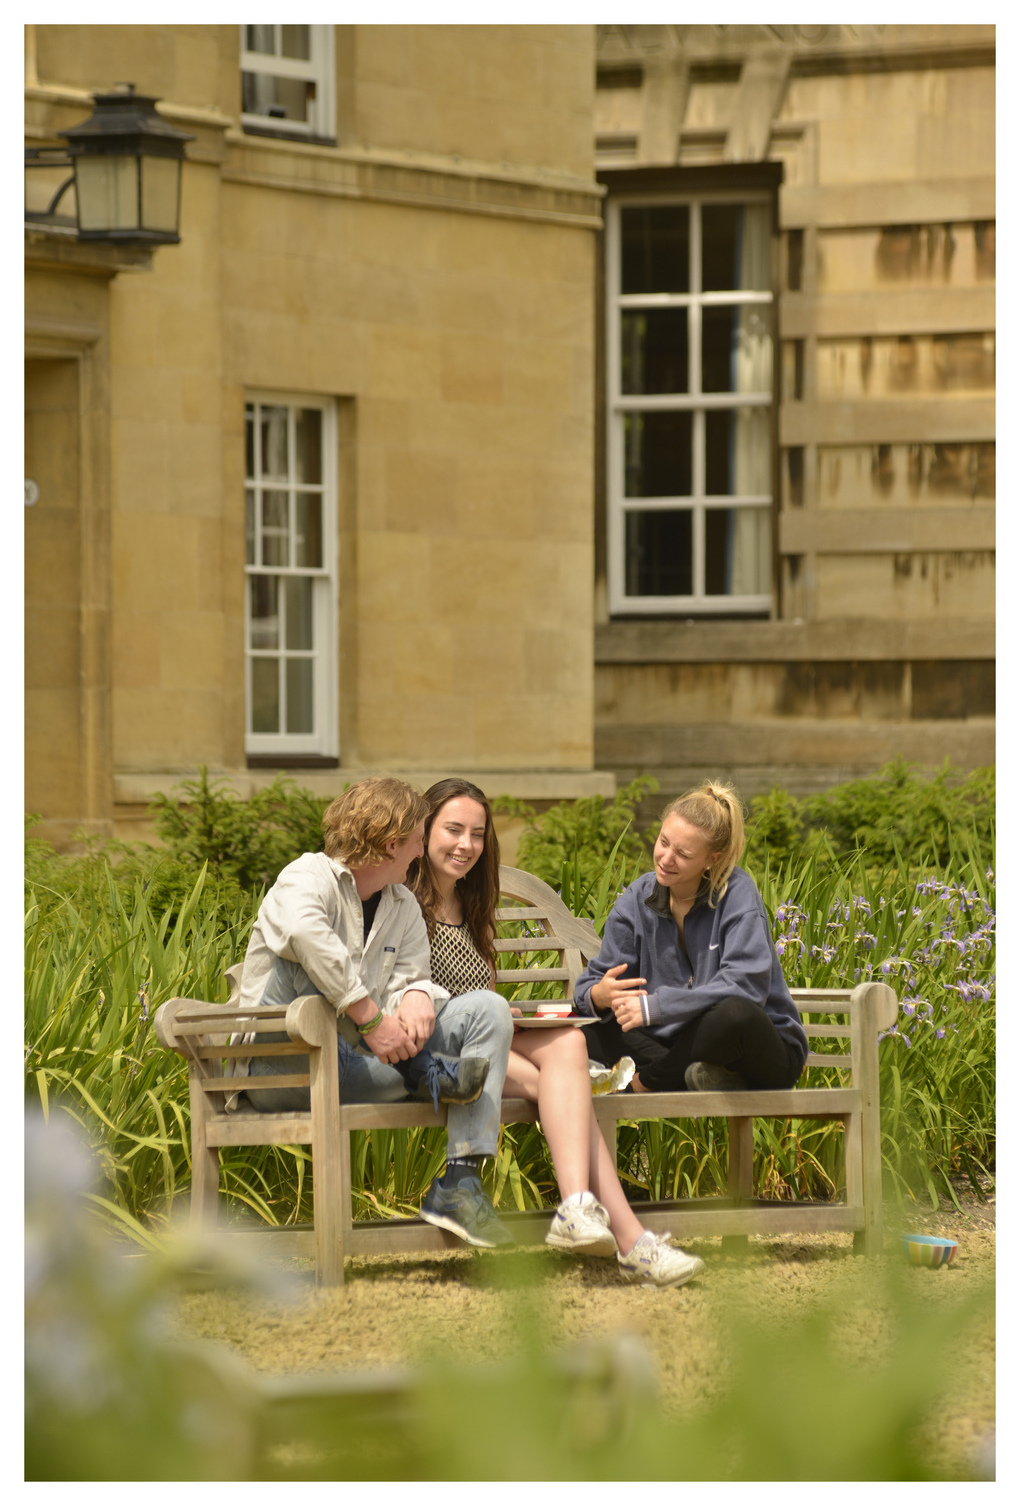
734	1033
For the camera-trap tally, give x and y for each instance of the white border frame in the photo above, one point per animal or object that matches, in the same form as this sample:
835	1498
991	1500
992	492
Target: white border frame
695	402
325	740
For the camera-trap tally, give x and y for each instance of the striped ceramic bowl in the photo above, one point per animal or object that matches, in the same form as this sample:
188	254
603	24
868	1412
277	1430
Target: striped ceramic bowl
928	1249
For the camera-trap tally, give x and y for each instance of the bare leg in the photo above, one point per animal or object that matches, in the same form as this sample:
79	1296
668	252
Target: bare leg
607	1188
558	1081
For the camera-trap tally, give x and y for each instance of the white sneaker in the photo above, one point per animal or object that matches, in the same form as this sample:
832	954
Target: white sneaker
655	1262
582	1224
610	1079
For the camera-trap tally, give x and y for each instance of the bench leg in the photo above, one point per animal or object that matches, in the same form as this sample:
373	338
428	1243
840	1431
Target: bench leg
205	1162
853	1172
871	1240
329	1144
740	1176
346	1201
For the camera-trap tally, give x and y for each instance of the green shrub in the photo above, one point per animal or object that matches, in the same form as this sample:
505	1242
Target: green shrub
246	840
775	830
584	834
894	814
897	812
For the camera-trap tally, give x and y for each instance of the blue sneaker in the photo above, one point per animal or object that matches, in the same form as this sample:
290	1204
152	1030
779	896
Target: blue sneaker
467	1212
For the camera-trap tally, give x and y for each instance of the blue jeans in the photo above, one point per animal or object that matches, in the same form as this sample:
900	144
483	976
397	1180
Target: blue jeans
474	1024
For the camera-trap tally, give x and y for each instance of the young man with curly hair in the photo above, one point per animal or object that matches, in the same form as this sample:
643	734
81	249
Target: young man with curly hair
340	923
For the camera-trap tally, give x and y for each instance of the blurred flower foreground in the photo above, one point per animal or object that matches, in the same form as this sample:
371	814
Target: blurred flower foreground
110	1396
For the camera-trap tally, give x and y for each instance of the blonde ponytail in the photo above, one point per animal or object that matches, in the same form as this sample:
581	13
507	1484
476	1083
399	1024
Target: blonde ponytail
716	810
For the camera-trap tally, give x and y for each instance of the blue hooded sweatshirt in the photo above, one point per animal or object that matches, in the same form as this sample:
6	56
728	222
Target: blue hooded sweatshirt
726	953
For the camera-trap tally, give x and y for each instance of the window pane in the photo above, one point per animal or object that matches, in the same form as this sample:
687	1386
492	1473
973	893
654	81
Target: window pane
736	349
738	453
299	611
655	249
249	527
308	531
736	250
653	350
738	558
265	695
308	444
299	696
275	529
274	442
657	454
659	553
279	98
260	39
249	441
296	41
265	611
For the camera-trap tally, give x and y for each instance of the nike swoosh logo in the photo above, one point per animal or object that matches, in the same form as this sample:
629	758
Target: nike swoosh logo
713	946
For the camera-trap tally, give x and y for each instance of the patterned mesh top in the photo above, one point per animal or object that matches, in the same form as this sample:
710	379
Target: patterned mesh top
457	964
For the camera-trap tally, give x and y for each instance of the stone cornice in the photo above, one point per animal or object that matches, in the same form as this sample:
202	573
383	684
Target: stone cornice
67	94
138	786
413	178
821	49
680	642
57	246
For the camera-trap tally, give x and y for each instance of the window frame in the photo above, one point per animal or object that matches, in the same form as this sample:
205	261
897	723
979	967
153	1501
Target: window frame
323	741
319	69
618	404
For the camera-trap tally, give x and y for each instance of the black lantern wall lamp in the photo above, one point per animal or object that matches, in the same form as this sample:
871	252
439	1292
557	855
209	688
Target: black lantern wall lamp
126	162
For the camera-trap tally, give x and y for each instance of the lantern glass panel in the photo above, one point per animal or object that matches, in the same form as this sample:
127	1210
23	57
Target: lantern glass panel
107	192
160	177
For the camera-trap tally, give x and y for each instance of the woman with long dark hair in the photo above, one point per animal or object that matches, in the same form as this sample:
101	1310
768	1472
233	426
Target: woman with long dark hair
456	882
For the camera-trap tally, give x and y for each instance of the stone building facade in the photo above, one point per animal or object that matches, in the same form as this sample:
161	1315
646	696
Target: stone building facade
315	486
543	404
872	148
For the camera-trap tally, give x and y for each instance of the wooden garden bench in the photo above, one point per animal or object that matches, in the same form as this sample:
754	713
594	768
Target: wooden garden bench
201	1031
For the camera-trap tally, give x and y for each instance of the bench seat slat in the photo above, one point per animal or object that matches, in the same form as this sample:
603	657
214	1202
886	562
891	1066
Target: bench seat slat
532	975
686	1219
791	1103
531	944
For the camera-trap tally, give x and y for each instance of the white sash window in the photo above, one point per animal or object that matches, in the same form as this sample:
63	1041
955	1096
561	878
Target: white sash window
690	395
290	569
287	80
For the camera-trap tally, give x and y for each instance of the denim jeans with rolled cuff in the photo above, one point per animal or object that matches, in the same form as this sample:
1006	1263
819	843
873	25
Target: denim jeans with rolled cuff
474	1024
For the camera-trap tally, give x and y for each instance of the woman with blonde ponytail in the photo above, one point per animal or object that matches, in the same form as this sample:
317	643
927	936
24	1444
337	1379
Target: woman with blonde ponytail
688	982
